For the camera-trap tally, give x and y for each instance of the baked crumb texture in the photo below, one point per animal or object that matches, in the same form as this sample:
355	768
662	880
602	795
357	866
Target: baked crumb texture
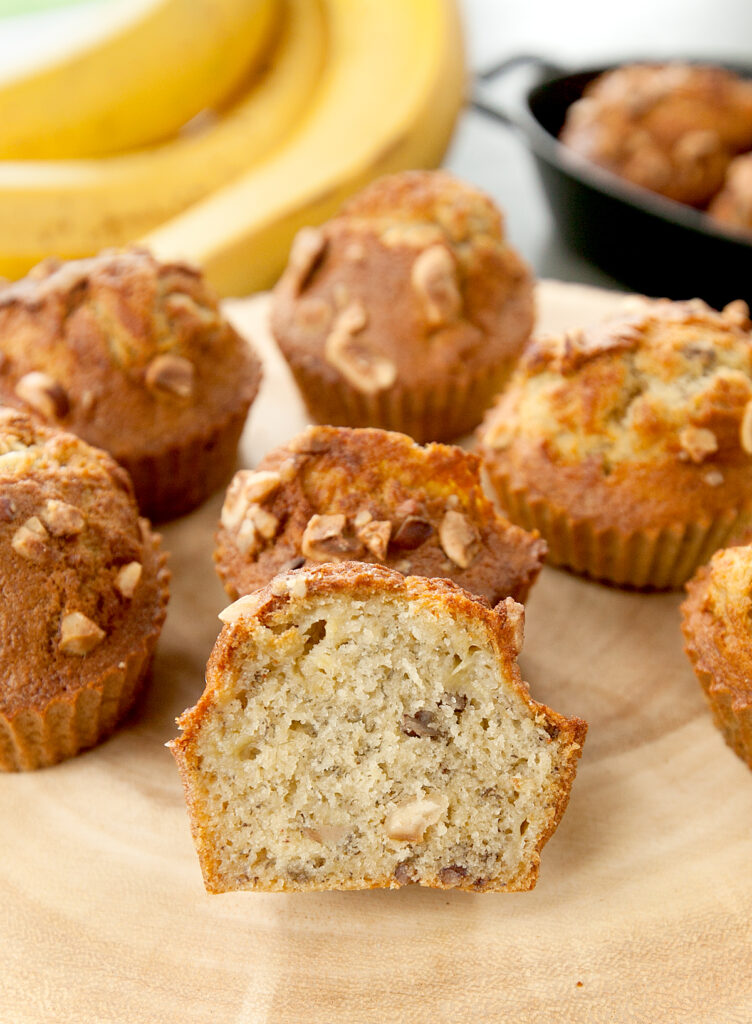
359	729
628	444
716	622
333	494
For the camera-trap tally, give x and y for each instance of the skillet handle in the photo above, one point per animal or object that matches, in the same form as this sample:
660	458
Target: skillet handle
481	103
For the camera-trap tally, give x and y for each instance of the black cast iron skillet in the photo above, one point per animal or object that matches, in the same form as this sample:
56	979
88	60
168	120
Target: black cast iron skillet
654	245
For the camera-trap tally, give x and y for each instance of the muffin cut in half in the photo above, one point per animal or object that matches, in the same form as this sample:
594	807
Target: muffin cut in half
361	729
333	494
629	444
84	589
717	626
135	357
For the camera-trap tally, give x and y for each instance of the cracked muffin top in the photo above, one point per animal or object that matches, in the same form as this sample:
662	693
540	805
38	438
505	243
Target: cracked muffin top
127	353
670	128
412	281
651	410
87	581
336	494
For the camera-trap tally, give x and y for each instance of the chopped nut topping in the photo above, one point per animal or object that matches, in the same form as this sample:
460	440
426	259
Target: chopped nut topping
7	509
434	278
324	540
306	251
459	538
745	431
366	370
515	619
697	442
422	723
171	375
375	536
737	312
326	833
247	538
62	519
78	634
44	394
247	605
127	579
245	489
265	523
411	533
30	540
409	822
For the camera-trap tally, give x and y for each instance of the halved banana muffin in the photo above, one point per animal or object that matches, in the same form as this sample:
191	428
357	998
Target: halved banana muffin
335	494
361	729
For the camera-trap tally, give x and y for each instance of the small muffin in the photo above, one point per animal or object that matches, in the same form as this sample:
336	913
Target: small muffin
407	311
333	495
135	357
629	444
359	730
716	620
732	206
89	593
671	128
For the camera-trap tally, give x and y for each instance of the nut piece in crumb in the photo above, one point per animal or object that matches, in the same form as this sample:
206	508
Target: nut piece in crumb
171	375
453	875
324	539
366	370
127	579
745	430
30	540
78	634
62	519
373	533
697	443
409	822
434	278
306	251
44	394
326	834
422	723
459	538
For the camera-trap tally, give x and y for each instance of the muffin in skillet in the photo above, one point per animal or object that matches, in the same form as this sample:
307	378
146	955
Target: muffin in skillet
135	357
407	311
629	444
89	593
335	494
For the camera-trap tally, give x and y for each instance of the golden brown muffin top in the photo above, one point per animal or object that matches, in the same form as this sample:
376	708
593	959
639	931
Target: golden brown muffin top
671	128
412	281
338	494
130	354
733	204
83	580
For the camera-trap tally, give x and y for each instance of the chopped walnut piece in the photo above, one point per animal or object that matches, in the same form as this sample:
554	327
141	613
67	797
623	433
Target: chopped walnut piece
44	394
171	375
245	489
745	430
324	539
409	822
697	443
78	634
434	278
127	579
515	617
404	873
422	723
30	540
411	533
375	536
326	834
247	538
265	523
366	370
459	538
249	604
62	519
306	251
453	875
737	313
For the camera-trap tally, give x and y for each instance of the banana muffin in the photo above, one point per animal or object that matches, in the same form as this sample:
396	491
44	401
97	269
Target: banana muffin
732	207
135	357
629	444
89	593
407	311
716	618
671	128
360	729
334	494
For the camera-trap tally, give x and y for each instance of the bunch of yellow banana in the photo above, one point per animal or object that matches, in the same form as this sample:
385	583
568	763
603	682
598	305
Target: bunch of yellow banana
335	92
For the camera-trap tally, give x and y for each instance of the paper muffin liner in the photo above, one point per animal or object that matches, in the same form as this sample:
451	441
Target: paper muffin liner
657	559
732	715
71	722
439	411
177	480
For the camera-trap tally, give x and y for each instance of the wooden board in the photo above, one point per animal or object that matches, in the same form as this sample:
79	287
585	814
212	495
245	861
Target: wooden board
642	913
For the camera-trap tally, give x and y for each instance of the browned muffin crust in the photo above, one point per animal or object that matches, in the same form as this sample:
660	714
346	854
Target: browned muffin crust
670	128
631	440
407	311
732	206
262	617
337	494
716	617
85	593
135	357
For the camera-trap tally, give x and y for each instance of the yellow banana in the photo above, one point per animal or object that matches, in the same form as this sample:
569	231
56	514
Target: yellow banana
157	65
390	95
77	207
